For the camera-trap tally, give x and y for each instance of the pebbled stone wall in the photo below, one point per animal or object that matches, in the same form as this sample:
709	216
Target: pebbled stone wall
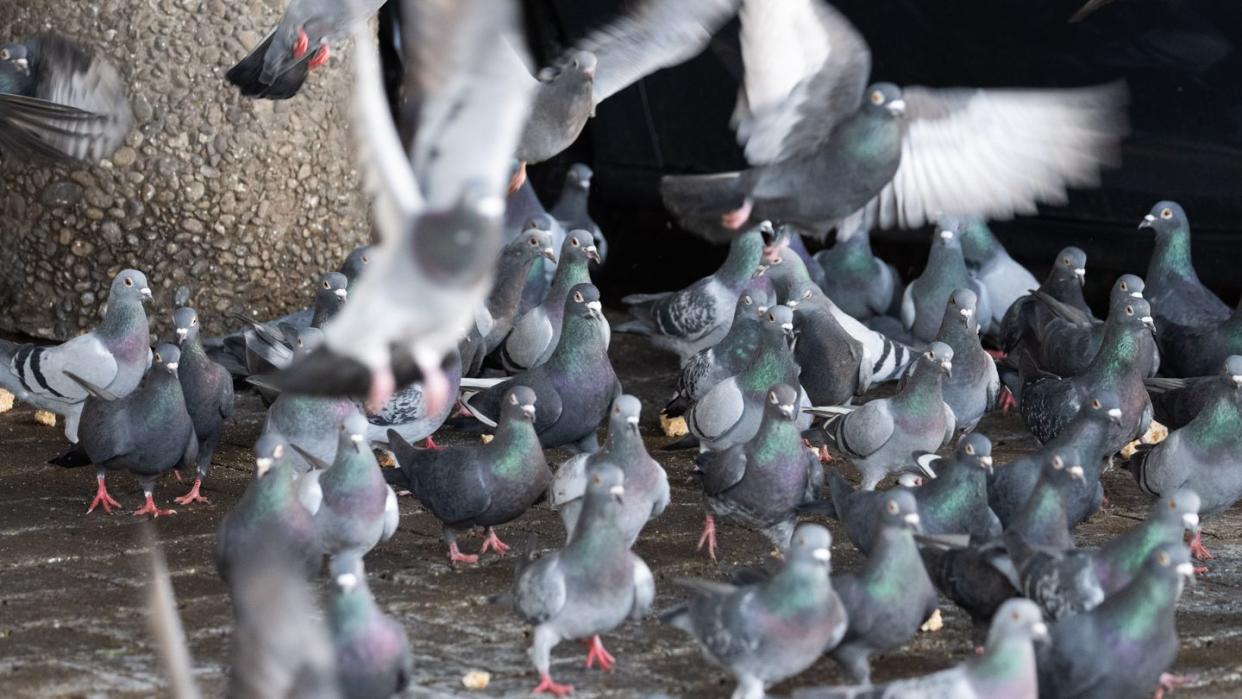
246	201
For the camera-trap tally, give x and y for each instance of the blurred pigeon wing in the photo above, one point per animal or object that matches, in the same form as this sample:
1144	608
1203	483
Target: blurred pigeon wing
570	481
72	76
310	494
654	35
644	588
28	125
392	514
541	592
806	69
997	153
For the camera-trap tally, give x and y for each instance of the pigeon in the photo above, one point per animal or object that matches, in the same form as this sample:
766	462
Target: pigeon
783	265
571	208
1175	402
1070	339
113	356
536	333
1120	560
1123	647
330	298
354	509
439	214
1025	317
587	588
277	68
833	362
762	481
806	117
729	414
406	411
562	103
709	366
575	387
882	435
1049	402
699	315
886	358
890	596
268	515
373	658
479	485
974	386
771	630
1005	279
208	391
646	484
1199	351
1179	300
60	101
1005	668
148	432
977	578
923	303
1202	456
855	279
1086	441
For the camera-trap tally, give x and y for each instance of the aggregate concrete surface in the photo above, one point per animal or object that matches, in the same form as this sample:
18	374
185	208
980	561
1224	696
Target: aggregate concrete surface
71	586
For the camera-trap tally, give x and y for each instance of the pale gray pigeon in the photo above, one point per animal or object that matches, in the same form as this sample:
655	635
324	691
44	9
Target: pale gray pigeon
923	304
1005	279
974	386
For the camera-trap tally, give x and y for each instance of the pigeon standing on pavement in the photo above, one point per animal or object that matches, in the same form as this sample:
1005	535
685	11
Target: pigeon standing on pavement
855	279
1119	561
589	587
1005	279
113	356
517	259
479	485
699	315
771	630
1178	299
208	391
571	209
1026	317
709	366
1069	339
373	658
834	364
924	301
974	386
646	483
883	359
1199	351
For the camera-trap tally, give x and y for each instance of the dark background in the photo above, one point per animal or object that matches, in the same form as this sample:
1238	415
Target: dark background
1178	57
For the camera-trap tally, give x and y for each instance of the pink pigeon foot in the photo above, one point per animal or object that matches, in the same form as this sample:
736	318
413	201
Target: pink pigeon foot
708	537
546	685
1169	682
320	58
1198	550
1006	401
102	498
494	543
737	218
149	508
193	495
597	652
456	556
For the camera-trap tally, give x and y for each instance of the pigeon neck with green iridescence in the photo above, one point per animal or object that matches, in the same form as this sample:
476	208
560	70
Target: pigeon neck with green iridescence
777	436
581	345
273	491
1119	352
572	271
193	354
744	256
1217	426
947	267
350	613
1171	257
1142	609
353	465
598	538
1122	558
957	487
871	136
511	274
1006	664
772	364
800	589
854	254
1043	521
978	243
893	565
924	390
515	440
125	317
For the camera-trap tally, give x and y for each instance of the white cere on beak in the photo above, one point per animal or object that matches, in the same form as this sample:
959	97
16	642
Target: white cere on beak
986	461
787	409
182	333
966	312
912	519
1186	569
263	464
1237	379
172	366
823	555
1148	321
632	420
1039	630
595	306
946	365
787	327
946	235
1114	413
1076	472
617	490
145	292
1190	519
1136	294
1080	272
1149	218
356	438
23	64
346	581
897	106
343	293
529	410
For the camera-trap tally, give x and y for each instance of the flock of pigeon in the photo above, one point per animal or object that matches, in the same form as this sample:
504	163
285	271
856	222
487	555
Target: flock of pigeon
474	307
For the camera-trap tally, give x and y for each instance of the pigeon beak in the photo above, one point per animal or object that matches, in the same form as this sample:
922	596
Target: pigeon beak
23	65
632	422
1147	221
550	254
342	293
1114	414
966	314
897	107
1186	570
1236	379
946	235
592	254
822	555
791	304
987	463
787	410
1191	521
182	333
764	309
595	310
912	520
1039	631
171	367
145	293
356	439
529	411
263	464
947	367
1149	322
1076	473
617	492
1081	274
1136	294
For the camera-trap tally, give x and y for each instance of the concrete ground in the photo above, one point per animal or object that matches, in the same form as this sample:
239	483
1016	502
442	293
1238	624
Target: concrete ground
72	617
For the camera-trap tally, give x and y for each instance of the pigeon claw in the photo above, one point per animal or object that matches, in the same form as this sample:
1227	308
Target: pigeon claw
193	495
429	443
300	45
518	178
708	537
319	59
1198	550
737	218
1169	682
149	508
103	499
597	652
1006	401
546	685
456	556
494	543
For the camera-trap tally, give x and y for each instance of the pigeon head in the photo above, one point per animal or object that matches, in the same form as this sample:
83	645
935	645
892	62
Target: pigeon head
519	404
580	245
535	240
605	482
356	262
963	305
1134	312
267	451
1058	469
974	234
1167	219
751	303
1171	562
1105	405
1072	263
185	320
779	321
939	356
783	401
579	176
1018	618
811	545
1180	506
801	292
947	237
578	66
885	98
976	449
899	509
1127	286
457	245
16	55
306	340
166	357
129	285
1233	371
354	432
332	291
626	410
583	302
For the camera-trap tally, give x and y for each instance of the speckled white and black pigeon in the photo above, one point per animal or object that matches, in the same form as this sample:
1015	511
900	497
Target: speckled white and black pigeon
924	300
1005	668
60	100
208	391
1004	278
113	356
761	482
699	315
373	658
407	413
881	621
268	514
587	588
1125	646
1070	338
767	631
479	485
1178	299
855	279
824	147
883	435
353	507
1205	455
703	370
974	386
148	432
536	333
646	483
277	68
575	387
729	414
571	210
